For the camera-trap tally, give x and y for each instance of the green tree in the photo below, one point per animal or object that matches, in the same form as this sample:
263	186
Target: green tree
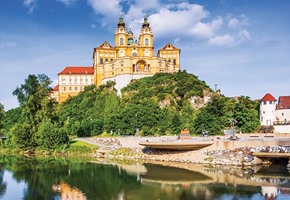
213	116
37	108
2	114
12	117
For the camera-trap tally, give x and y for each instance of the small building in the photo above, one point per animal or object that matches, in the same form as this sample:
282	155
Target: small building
72	80
275	113
184	135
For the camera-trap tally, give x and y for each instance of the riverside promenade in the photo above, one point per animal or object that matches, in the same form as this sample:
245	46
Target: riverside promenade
222	151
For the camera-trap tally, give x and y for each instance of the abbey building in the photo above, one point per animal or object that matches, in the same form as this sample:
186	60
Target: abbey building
128	59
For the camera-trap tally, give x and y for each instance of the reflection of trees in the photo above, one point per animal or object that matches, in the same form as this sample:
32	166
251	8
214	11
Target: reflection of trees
94	180
3	186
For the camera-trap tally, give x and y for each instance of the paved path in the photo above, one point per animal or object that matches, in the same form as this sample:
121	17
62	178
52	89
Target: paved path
87	140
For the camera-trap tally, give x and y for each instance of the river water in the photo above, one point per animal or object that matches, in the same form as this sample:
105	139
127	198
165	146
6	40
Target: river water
71	179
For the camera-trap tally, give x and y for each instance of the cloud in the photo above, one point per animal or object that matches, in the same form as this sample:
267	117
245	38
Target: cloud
244	35
67	2
30	4
224	40
109	10
7	45
206	30
177	18
233	23
93	26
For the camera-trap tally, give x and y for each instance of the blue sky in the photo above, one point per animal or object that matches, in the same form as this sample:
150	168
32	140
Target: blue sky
243	46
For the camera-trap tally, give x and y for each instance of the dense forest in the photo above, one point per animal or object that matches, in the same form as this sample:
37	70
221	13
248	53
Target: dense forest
159	105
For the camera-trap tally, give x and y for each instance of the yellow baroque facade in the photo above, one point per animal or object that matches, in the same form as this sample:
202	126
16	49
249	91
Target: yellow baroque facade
131	58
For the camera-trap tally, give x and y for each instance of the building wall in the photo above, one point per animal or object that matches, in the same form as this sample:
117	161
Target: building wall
283	115
72	84
282	129
267	112
124	79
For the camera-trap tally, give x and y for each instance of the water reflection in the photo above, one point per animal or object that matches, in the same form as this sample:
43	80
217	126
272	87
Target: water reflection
73	179
68	192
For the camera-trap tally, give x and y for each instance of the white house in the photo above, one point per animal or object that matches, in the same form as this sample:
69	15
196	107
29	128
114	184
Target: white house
275	113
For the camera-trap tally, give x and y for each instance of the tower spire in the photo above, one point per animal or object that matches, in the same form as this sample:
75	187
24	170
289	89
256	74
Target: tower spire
121	20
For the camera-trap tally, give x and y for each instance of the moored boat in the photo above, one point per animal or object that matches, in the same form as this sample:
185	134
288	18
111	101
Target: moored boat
177	145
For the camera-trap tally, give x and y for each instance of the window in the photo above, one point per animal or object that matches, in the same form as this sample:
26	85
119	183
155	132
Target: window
121	41
146	41
106	60
121	53
69	88
174	61
101	61
76	88
146	53
264	102
64	88
169	60
270	102
282	114
134	54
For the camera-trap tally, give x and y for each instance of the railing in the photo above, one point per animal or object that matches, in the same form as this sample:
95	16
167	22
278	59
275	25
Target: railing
281	123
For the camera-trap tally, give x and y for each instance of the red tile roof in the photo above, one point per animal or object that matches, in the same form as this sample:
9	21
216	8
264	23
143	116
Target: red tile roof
56	88
268	97
77	70
284	102
106	45
169	46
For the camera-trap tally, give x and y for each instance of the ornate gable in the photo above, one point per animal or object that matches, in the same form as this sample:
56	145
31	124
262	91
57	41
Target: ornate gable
105	45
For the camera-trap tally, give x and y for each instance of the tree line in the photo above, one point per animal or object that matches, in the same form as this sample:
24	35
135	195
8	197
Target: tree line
159	105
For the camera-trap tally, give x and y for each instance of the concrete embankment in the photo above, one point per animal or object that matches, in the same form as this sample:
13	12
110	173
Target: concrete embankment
222	152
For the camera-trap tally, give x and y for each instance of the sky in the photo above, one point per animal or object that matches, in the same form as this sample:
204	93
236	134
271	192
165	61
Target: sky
241	47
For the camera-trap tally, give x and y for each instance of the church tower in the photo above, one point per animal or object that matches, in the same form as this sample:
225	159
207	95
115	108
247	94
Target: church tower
146	39
121	37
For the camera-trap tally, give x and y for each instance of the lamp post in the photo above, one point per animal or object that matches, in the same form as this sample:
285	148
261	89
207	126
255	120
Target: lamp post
137	130
234	122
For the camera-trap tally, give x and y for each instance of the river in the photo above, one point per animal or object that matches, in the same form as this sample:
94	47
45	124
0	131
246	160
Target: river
49	178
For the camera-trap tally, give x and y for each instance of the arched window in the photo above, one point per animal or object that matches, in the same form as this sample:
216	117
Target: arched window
146	41
121	41
134	54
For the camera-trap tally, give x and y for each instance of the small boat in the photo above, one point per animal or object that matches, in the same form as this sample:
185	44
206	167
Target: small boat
180	145
184	142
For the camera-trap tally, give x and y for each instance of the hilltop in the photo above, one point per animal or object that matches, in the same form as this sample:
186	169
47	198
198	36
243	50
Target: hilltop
159	105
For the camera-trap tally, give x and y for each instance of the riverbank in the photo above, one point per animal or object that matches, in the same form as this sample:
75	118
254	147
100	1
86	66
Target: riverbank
222	152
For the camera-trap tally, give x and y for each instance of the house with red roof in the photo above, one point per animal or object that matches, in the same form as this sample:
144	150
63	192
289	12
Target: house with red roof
71	81
275	113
